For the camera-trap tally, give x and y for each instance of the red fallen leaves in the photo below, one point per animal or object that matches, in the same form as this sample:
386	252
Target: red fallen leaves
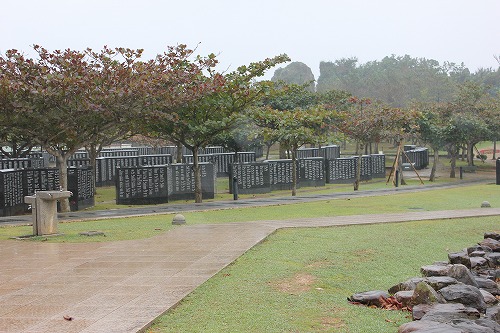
390	303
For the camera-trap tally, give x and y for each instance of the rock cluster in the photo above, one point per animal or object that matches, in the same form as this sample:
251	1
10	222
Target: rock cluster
458	296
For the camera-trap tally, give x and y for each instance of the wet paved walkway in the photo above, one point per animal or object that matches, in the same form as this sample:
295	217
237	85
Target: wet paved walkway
122	286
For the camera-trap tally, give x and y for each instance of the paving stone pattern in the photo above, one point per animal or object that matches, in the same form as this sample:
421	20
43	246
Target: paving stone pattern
123	286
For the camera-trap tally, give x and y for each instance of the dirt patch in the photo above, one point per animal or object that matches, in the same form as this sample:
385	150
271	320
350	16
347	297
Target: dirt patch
329	323
299	283
318	264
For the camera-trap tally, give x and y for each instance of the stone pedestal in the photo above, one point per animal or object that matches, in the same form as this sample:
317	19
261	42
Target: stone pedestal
44	210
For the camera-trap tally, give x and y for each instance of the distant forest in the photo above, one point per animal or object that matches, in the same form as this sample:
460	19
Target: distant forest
395	80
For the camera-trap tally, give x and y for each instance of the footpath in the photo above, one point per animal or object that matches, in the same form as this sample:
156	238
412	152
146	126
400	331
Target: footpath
123	286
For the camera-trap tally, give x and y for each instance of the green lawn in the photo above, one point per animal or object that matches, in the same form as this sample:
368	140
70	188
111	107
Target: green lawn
298	279
142	227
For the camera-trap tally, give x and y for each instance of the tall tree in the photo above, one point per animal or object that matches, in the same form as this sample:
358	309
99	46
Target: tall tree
296	127
222	98
65	99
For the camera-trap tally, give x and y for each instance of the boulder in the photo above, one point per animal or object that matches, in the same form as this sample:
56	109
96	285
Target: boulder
477	253
493	244
465	294
462	274
404	297
478	248
470	326
488	285
425	294
435	270
489	323
492	235
439	282
445	313
488	297
427	327
493	257
476	262
369	297
493	313
460	258
404	286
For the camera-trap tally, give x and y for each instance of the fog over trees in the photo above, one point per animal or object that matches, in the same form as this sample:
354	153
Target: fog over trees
395	80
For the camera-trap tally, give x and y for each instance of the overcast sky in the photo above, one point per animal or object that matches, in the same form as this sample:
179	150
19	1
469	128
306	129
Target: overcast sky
241	32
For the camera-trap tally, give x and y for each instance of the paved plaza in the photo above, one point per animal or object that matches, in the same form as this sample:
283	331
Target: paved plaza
123	286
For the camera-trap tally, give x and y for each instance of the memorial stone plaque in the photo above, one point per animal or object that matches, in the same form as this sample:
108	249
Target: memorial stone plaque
311	172
76	163
330	152
158	159
251	177
141	185
79	155
182	181
378	165
307	152
280	174
214	150
81	186
11	192
366	167
106	168
341	170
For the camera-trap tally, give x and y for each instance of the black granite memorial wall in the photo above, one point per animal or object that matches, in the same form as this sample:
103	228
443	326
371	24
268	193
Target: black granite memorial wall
156	159
341	170
308	152
141	185
81	186
15	163
46	179
378	165
106	168
251	177
311	172
79	155
77	163
280	174
222	160
419	157
119	152
330	152
15	184
11	192
181	181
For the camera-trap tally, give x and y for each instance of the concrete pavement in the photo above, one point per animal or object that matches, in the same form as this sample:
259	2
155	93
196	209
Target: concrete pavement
123	286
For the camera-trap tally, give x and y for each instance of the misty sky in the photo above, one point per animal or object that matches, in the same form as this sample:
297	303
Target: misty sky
241	32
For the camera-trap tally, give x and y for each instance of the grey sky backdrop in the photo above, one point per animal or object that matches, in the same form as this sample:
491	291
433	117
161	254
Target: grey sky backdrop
241	32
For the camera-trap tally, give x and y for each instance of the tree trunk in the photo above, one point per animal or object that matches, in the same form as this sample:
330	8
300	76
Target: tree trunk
453	161
198	197
268	149
93	152
357	181
61	163
434	165
178	157
400	169
294	171
495	149
470	154
282	151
